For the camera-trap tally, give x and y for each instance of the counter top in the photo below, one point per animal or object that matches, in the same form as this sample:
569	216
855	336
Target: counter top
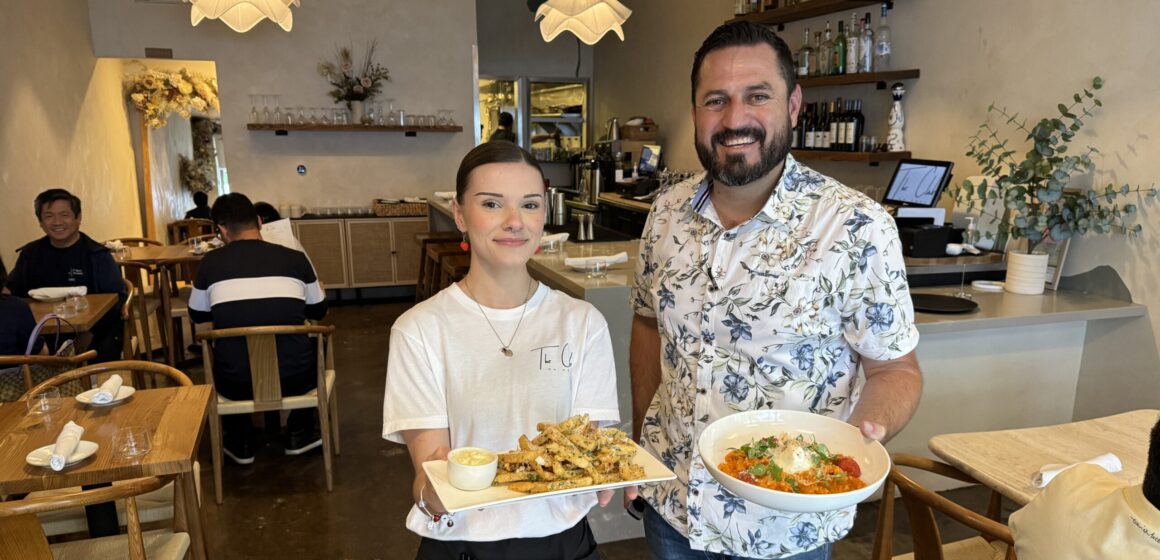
442	205
613	199
550	269
1003	309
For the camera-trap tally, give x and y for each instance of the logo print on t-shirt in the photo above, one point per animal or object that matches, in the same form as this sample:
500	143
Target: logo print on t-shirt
76	275
557	358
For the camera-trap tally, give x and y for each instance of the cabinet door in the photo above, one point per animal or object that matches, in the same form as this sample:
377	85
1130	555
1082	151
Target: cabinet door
370	252
406	249
325	244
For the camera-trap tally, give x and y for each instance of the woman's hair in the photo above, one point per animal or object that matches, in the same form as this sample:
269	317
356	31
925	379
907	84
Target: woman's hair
491	152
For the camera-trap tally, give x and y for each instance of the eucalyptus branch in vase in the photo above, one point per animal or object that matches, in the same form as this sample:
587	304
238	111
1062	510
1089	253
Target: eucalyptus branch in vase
1034	190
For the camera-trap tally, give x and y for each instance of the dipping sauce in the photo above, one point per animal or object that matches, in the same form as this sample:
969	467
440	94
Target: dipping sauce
473	457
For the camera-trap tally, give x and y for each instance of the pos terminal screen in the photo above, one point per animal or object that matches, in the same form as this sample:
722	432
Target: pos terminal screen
918	182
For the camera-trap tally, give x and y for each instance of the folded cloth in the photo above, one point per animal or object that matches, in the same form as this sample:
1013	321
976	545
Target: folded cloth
58	293
445	195
66	445
582	262
202	247
108	390
414	199
557	237
114	245
1108	461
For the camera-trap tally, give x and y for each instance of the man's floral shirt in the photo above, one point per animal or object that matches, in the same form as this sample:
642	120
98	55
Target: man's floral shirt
774	313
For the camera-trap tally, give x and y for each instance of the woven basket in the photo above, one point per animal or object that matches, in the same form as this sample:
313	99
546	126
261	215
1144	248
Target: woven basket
397	209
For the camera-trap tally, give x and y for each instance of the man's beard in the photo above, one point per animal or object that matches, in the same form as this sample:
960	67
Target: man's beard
733	171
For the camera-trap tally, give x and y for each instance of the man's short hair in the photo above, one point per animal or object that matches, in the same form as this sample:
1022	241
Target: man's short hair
506	119
50	196
745	34
200	199
234	212
267	212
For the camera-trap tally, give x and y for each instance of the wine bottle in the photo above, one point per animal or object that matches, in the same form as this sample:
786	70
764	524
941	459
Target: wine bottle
882	46
833	138
853	43
866	49
840	49
805	58
857	126
808	127
826	54
838	143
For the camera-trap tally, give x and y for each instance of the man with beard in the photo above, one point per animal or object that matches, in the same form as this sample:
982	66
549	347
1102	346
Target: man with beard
762	284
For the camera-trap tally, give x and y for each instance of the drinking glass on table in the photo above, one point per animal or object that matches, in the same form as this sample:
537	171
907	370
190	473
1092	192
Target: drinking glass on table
45	401
132	441
79	303
65	310
597	269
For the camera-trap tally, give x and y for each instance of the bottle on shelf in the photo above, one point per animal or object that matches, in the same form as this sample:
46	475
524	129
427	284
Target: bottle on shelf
853	44
839	63
817	70
839	143
857	127
826	54
882	46
832	138
807	142
805	65
866	48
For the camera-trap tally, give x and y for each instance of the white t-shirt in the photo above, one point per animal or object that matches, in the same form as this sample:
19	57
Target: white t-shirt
445	369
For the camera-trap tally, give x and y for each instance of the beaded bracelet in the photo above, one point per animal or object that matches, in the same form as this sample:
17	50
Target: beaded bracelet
434	518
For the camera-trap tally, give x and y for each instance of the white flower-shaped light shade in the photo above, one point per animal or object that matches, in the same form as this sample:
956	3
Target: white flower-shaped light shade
587	19
242	15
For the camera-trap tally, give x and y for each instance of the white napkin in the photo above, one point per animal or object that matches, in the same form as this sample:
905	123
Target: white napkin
58	293
66	445
1108	461
108	390
414	199
202	247
445	195
114	245
557	237
578	262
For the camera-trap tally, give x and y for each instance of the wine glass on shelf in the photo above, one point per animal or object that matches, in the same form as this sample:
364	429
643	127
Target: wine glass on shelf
303	116
278	116
255	115
325	118
392	118
267	115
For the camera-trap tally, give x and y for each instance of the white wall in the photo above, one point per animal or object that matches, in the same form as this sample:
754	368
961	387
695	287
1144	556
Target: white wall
426	45
1027	55
64	124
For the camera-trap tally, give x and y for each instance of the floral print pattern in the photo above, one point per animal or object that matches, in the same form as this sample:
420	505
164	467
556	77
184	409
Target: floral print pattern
774	313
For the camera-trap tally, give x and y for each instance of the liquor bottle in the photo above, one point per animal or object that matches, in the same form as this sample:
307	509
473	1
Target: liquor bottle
808	127
805	58
826	54
840	49
857	127
817	70
866	49
832	138
839	143
816	126
822	131
853	43
882	46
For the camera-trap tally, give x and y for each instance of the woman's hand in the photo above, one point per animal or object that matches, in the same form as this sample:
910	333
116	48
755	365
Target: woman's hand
422	490
604	496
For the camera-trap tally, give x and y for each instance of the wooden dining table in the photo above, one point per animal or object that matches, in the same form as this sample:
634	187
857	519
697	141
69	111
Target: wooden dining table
173	416
153	254
99	305
1006	460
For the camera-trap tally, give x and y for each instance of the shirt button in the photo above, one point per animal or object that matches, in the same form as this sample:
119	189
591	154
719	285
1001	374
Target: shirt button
701	391
696	492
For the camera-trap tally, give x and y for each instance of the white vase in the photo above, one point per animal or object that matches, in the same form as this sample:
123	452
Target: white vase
1026	274
358	111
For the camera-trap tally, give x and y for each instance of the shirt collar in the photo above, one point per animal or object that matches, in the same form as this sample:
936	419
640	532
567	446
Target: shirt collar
776	209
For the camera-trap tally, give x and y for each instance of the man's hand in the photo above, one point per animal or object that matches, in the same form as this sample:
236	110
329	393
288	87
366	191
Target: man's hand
889	397
871	430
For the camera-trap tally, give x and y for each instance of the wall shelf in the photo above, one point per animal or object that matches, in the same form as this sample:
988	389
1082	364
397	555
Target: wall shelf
805	10
879	78
284	129
873	158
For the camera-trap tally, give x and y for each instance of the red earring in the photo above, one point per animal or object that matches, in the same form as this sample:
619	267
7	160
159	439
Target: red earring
463	244
538	249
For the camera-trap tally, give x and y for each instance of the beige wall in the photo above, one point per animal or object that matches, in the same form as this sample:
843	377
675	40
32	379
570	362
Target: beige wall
1027	55
64	124
426	45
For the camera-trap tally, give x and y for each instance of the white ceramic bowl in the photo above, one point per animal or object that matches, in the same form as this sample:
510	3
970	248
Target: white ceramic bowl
735	430
470	477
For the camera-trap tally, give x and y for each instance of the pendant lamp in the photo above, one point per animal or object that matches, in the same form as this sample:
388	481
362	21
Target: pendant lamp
242	15
587	19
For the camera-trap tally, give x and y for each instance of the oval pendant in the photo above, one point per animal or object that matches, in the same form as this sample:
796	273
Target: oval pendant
506	351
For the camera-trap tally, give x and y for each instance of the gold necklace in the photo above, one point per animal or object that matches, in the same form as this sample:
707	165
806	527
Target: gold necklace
505	349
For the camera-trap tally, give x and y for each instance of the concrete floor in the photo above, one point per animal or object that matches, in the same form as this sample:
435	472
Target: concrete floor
279	508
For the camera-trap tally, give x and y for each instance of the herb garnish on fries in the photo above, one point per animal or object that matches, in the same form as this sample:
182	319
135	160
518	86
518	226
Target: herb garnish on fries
571	454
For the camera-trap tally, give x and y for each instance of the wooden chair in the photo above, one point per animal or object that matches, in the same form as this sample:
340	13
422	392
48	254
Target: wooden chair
433	272
182	230
175	303
136	241
267	384
24	538
51	363
155	504
453	268
423	240
146	303
921	503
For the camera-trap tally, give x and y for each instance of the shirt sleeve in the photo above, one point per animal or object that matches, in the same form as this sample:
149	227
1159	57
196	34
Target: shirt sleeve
316	306
107	277
641	295
18	278
595	392
413	398
26	323
199	303
878	316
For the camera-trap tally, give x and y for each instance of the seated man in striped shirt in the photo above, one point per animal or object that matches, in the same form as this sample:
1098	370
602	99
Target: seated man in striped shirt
249	283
